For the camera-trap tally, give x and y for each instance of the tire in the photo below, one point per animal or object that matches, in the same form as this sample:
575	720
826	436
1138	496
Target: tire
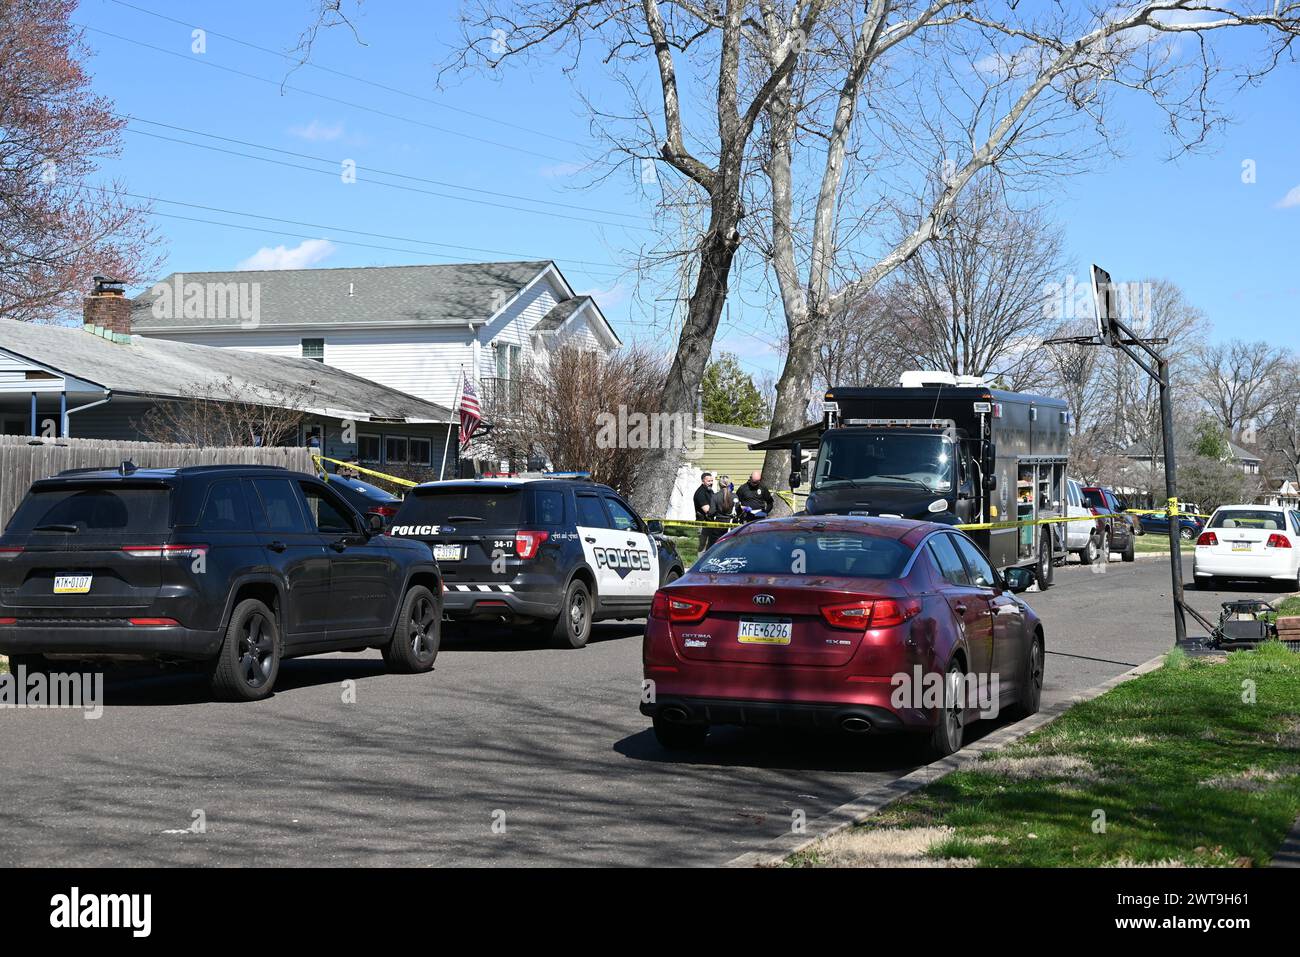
672	575
413	647
1105	549
573	627
946	738
1091	552
1186	534
249	660
676	736
1031	687
1044	566
1128	554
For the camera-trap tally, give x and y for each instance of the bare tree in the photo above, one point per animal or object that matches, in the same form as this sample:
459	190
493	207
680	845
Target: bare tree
1009	82
221	415
57	228
1242	383
558	408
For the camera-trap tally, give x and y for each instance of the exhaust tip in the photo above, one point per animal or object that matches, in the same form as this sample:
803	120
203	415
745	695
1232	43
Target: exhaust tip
674	714
855	725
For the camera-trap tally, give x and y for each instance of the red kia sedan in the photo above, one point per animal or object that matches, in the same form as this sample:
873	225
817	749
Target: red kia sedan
867	625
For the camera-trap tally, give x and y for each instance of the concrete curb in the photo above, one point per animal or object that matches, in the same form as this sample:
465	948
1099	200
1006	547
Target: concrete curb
882	795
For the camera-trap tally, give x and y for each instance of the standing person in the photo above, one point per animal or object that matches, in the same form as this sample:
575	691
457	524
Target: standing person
725	499
706	508
753	501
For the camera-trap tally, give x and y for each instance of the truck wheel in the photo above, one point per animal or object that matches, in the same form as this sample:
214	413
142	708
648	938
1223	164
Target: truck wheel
1105	549
1045	572
417	634
249	659
1128	555
1090	552
573	627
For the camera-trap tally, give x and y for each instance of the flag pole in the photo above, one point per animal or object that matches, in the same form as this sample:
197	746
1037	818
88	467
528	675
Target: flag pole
442	466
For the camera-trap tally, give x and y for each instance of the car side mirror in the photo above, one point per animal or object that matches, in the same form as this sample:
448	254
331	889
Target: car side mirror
374	524
655	527
1018	579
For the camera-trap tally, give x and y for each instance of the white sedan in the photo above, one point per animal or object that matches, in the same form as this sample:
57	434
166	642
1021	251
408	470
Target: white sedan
1249	541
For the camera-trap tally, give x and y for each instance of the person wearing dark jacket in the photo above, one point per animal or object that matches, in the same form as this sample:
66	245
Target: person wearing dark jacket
753	501
706	509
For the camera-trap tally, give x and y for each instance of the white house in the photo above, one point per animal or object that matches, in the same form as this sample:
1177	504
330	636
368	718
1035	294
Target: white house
411	328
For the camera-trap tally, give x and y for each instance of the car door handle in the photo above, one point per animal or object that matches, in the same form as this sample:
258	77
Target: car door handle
590	541
339	545
631	544
960	608
277	546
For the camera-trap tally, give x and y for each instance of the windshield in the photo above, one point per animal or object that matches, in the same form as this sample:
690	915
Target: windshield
117	509
1265	519
487	505
815	553
864	458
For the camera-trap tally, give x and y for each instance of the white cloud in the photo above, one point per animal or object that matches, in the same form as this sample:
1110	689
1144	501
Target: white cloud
306	253
1291	199
561	170
609	298
317	132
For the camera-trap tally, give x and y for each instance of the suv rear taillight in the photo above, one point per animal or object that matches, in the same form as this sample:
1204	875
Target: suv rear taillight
1277	541
684	611
153	622
527	544
165	551
11	551
1208	538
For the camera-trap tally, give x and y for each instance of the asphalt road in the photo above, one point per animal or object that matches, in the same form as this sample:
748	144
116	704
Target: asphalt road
419	769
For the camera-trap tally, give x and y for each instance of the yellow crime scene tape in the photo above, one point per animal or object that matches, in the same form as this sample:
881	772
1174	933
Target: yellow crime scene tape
318	459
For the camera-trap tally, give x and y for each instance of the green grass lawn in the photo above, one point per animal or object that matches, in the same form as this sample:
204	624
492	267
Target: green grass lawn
1195	763
688	546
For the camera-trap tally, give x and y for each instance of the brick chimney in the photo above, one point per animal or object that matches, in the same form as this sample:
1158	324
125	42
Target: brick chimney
108	311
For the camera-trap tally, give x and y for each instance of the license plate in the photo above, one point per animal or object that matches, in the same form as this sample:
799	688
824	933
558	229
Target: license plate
757	632
1241	546
72	584
446	553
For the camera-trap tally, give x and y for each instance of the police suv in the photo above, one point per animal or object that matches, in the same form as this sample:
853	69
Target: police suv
558	553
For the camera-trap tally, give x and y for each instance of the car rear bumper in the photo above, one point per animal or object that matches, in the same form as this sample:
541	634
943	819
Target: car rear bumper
476	601
108	637
860	718
1244	566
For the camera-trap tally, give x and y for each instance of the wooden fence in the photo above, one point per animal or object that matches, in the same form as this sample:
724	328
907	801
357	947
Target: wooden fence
23	460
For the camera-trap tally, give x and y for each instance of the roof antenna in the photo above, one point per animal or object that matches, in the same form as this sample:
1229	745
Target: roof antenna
126	468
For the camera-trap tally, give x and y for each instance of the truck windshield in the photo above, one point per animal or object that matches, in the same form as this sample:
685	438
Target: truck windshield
850	459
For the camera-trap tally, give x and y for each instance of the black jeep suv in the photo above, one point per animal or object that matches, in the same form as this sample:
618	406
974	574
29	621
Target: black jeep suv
231	567
555	553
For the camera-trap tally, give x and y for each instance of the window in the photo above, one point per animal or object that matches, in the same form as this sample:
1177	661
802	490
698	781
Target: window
623	519
949	562
394	448
814	553
981	572
368	448
488	506
69	509
548	506
328	514
590	512
313	349
503	361
314	430
281	505
421	452
1265	519
226	510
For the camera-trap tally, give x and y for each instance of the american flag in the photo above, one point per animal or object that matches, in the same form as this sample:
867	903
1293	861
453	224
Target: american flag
470	412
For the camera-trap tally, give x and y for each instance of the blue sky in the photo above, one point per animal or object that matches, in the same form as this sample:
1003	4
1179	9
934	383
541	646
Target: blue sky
1230	245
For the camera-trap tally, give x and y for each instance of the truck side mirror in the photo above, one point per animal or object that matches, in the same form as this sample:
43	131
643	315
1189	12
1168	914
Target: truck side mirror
990	481
796	465
989	465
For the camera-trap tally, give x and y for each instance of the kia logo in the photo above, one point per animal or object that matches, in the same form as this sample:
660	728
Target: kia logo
764	600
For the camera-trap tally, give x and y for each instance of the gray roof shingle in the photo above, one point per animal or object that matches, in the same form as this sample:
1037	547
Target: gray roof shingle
166	369
451	294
